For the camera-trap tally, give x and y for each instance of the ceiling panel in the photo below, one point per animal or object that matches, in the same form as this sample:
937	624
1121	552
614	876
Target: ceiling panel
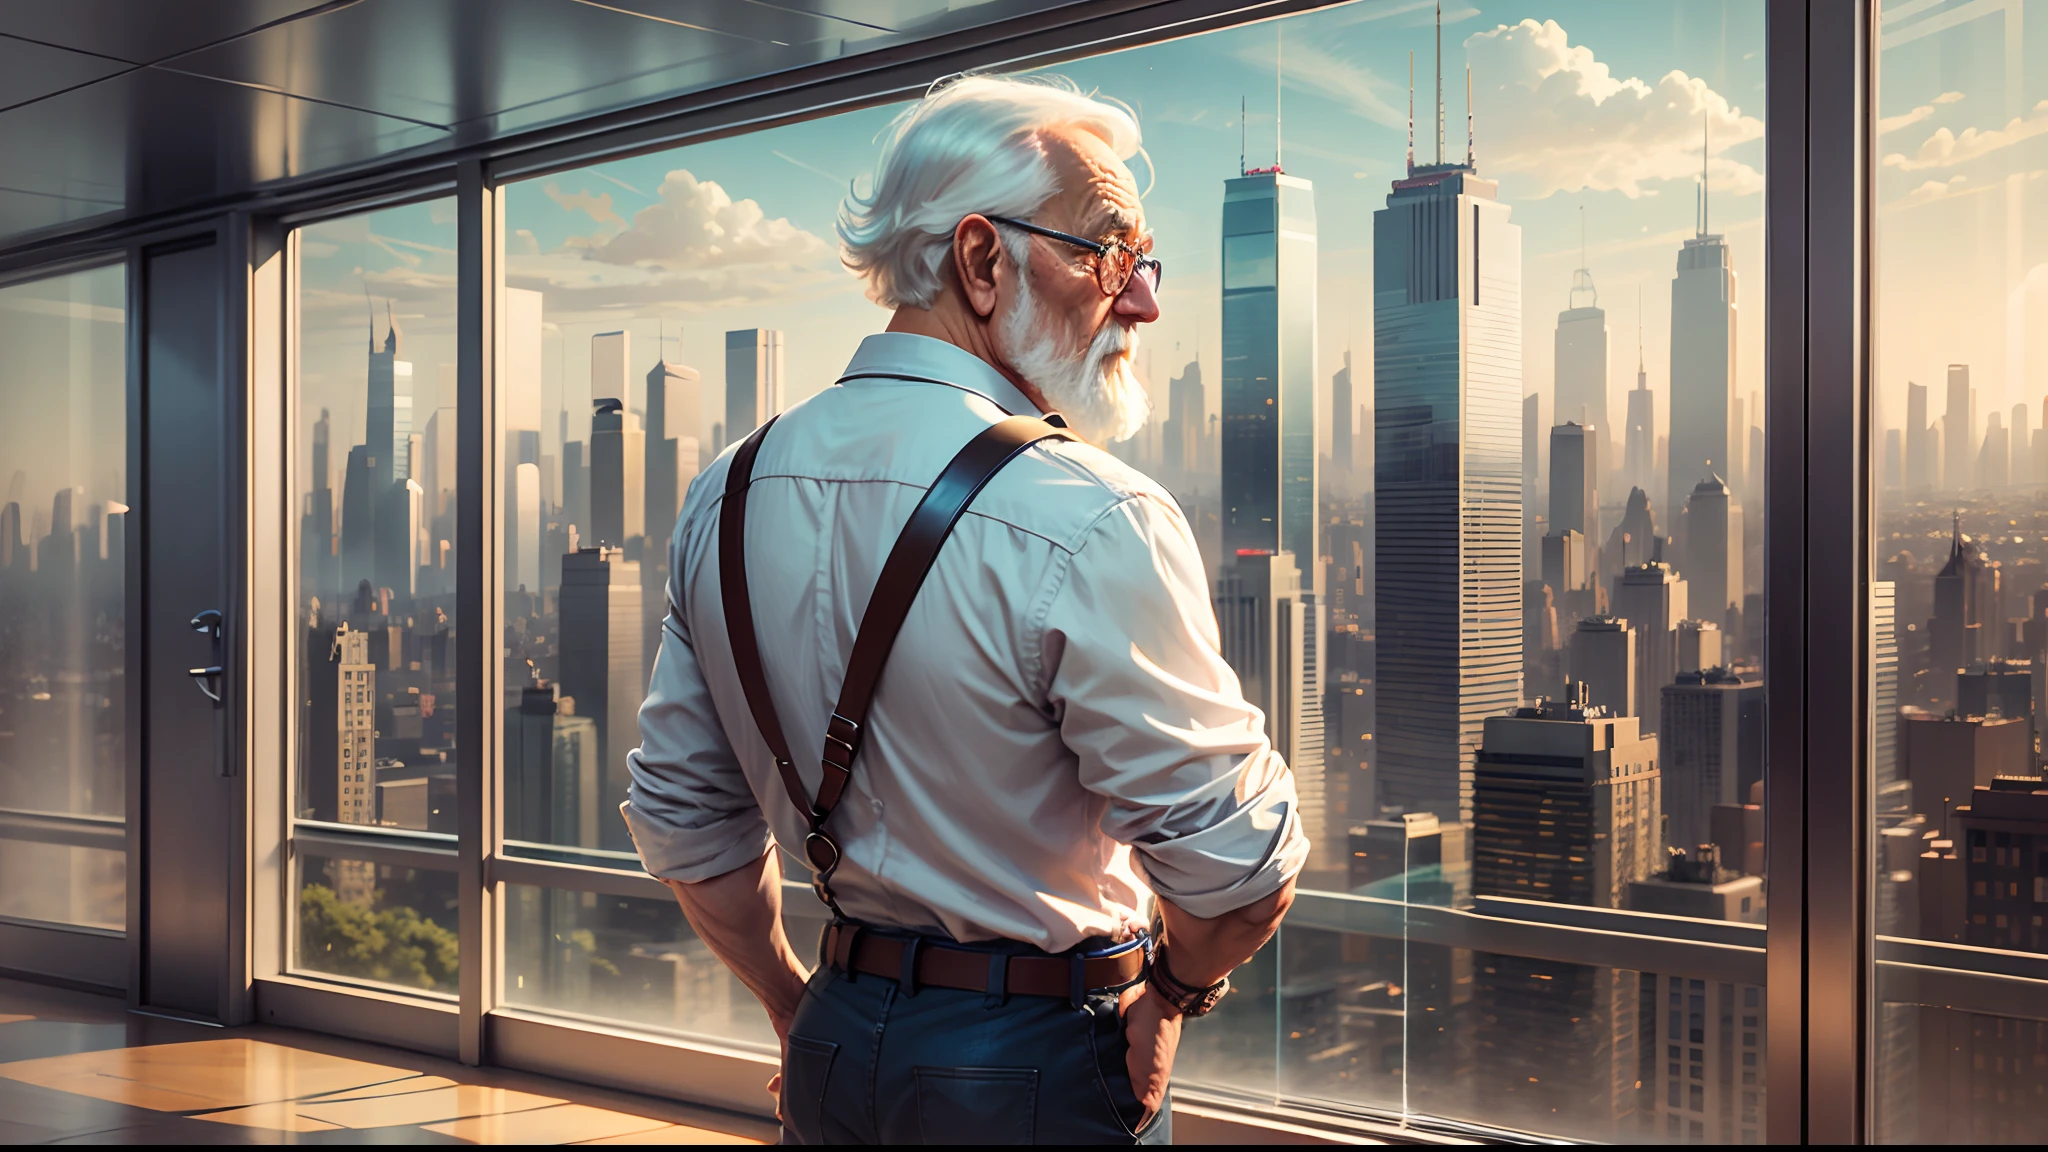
245	95
141	31
158	138
29	71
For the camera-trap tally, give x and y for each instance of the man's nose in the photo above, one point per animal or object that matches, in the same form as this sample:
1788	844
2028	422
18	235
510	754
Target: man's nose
1137	303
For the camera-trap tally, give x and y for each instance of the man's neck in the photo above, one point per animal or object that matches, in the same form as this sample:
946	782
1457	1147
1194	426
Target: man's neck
946	321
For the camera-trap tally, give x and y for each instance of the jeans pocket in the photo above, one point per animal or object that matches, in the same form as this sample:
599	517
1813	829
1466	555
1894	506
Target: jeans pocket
977	1105
1112	1066
804	1072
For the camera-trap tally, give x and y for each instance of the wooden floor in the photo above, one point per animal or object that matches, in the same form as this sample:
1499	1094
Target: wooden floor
81	1069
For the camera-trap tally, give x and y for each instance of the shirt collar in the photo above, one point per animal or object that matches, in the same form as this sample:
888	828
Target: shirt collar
905	356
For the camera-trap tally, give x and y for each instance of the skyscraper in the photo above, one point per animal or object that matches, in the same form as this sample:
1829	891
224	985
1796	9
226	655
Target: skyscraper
1639	447
1920	449
1955	635
1581	357
618	477
1603	658
1712	738
1340	415
355	727
1994	456
1652	598
1574	493
673	411
1884	699
1185	422
1713	551
1447	478
387	427
1269	365
600	652
1958	421
1702	358
753	380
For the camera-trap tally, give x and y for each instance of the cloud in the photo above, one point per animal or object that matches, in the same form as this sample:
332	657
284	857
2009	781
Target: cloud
1945	149
695	247
598	207
1906	119
1948	97
1550	113
1934	189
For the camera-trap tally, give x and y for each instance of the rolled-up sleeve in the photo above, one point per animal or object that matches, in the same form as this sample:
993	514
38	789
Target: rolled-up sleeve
1158	720
688	804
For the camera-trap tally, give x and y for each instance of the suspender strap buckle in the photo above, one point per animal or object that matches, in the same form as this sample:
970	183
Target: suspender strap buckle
842	742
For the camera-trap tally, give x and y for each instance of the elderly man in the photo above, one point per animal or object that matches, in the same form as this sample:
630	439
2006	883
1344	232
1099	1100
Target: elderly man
1028	732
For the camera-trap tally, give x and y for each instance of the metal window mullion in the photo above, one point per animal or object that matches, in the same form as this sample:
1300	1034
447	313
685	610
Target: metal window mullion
1816	667
477	612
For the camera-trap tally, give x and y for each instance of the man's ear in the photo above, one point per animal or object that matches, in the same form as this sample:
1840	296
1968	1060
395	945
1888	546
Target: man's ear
976	249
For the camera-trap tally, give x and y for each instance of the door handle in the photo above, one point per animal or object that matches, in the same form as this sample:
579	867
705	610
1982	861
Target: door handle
200	678
210	624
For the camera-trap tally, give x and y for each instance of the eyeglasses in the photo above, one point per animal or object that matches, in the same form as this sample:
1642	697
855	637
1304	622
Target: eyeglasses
1116	262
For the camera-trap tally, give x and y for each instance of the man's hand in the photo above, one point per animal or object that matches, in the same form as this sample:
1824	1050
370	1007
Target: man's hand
739	917
1152	1028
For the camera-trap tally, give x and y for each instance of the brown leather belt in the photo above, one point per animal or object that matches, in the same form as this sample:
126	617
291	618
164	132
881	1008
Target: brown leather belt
853	949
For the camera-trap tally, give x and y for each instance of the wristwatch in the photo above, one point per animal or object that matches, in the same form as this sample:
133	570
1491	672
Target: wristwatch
1188	1000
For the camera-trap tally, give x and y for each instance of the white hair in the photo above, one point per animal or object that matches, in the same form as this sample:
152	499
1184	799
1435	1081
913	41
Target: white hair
971	145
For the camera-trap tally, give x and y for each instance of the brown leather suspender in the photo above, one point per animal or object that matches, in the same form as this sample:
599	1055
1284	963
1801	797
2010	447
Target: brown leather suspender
903	573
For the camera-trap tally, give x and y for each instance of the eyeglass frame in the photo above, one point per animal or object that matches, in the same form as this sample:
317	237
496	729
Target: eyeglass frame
1101	248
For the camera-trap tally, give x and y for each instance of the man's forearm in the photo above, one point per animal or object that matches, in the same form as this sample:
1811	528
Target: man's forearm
1205	951
739	917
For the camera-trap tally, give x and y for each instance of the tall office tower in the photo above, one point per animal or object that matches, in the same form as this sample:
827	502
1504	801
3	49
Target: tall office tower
1447	379
1574	492
551	786
1273	633
1565	811
599	651
674	408
400	510
1884	700
611	372
1718	1099
1565	805
1894	474
1603	658
437	466
1340	415
753	380
618	474
387	426
1652	597
355	727
2019	442
1955	634
1710	753
1703	316
1713	551
1532	461
1994	457
1946	756
1581	359
1919	452
522	552
1700	646
1638	468
1269	365
1185	423
317	570
359	496
1958	423
2004	833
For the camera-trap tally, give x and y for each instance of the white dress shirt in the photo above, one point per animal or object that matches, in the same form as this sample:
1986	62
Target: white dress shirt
1055	733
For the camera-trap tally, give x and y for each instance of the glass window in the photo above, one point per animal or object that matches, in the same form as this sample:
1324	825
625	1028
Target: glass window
383	923
374	607
1526	701
63	588
1959	596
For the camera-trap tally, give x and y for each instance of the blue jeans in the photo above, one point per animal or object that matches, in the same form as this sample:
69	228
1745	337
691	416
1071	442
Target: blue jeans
871	1064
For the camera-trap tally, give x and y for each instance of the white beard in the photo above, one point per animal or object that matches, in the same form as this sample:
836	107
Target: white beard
1096	392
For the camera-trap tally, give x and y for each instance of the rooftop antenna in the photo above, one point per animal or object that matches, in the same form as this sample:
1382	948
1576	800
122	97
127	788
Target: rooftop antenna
1706	121
1469	140
1639	336
1279	67
1240	135
370	310
1439	82
1411	112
